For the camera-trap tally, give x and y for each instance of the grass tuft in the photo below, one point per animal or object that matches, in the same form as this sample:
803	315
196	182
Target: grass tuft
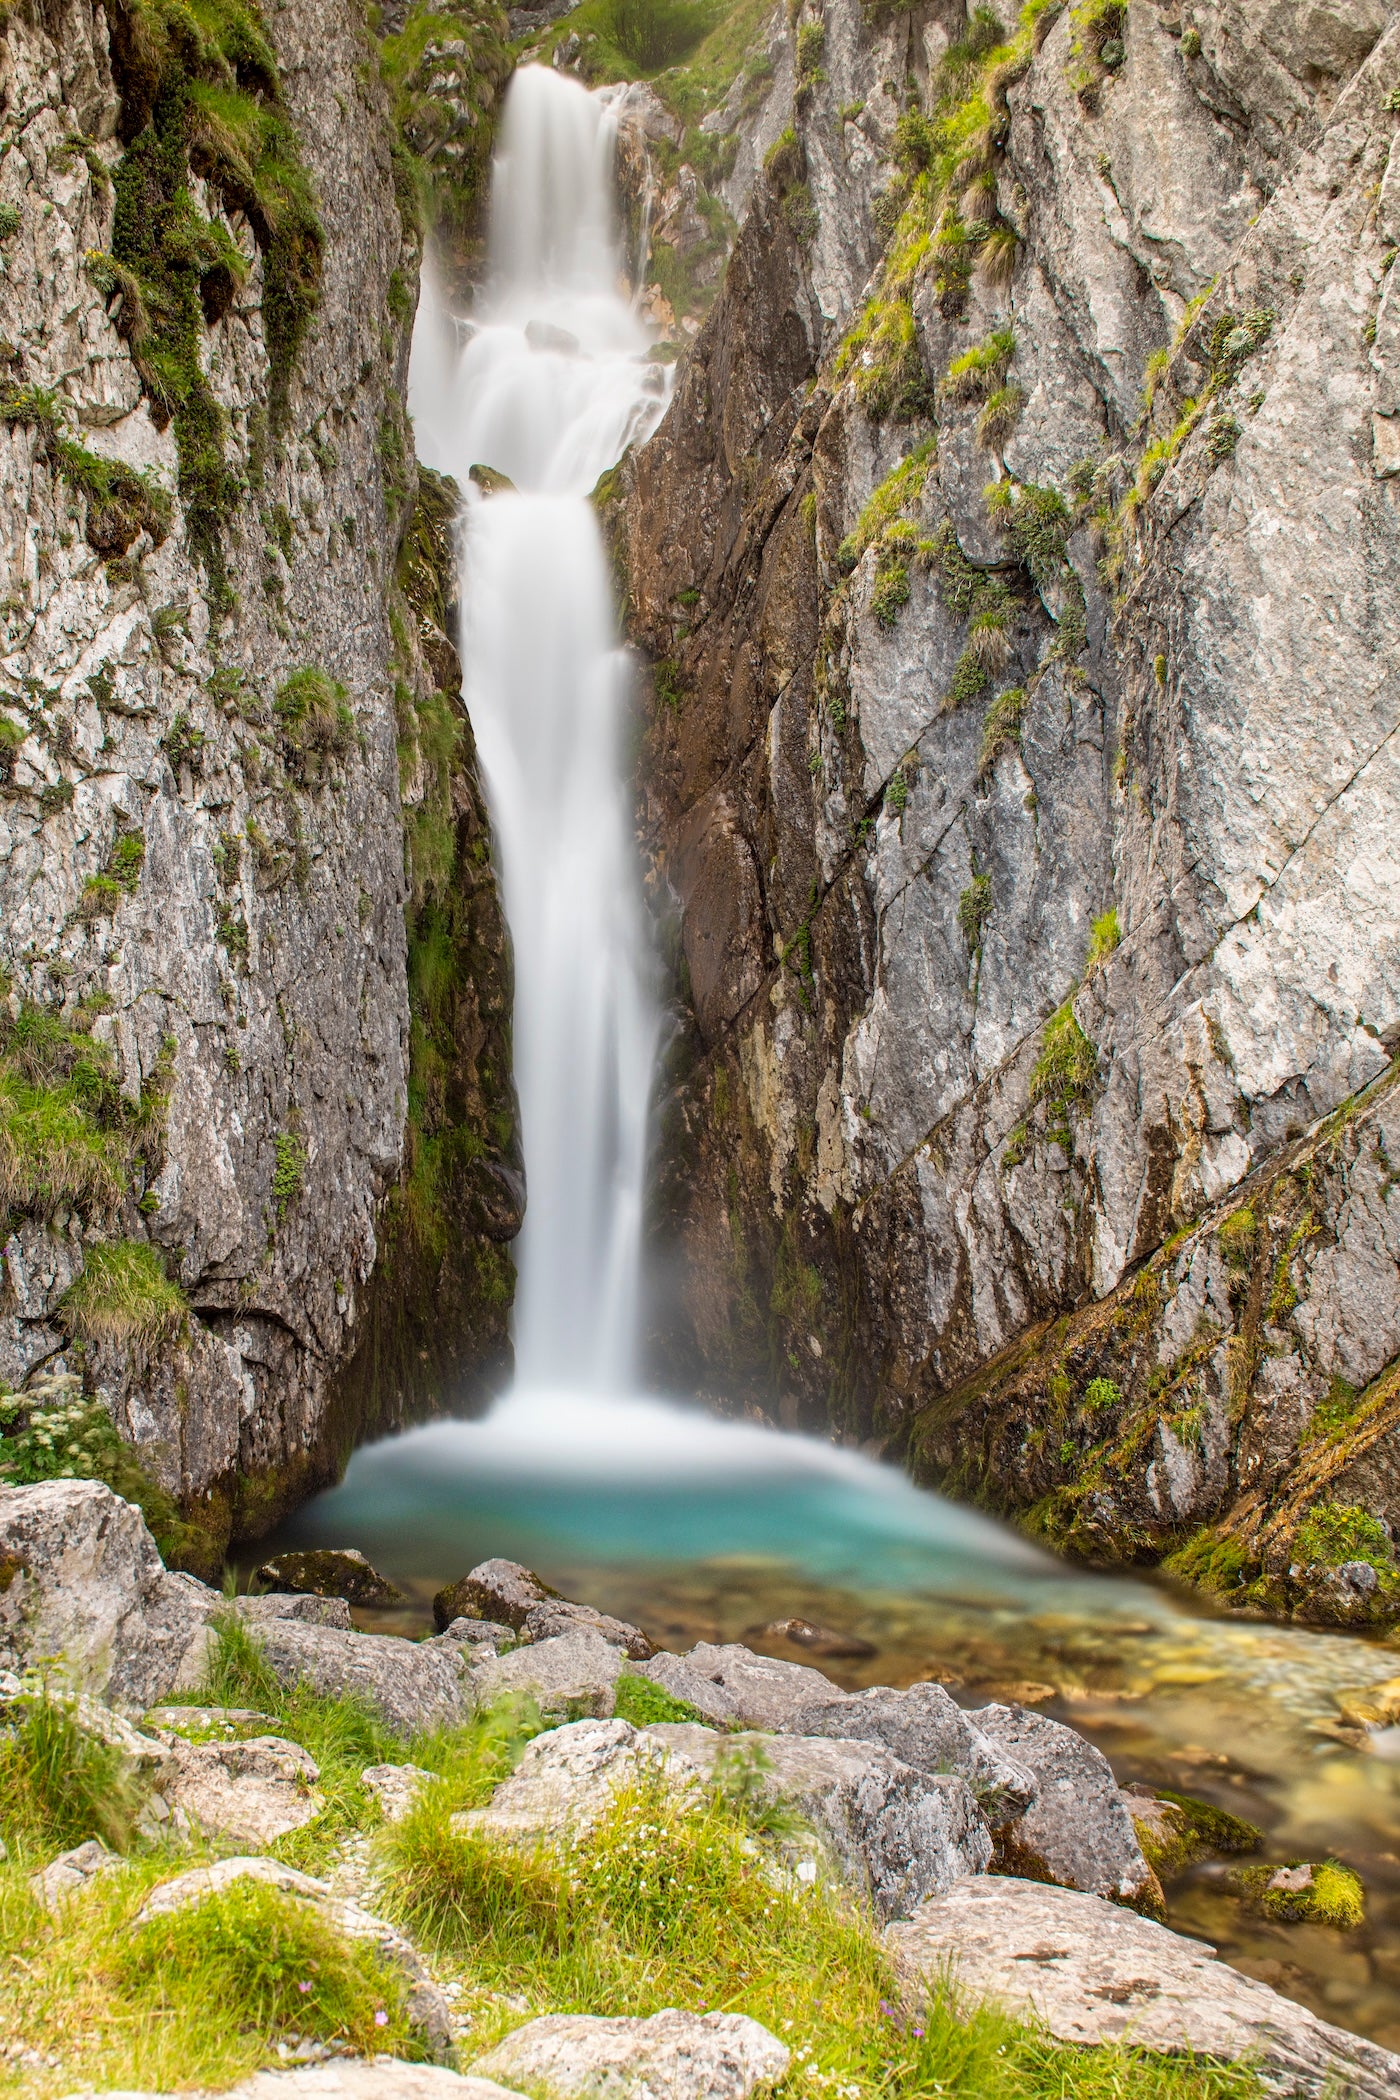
124	1297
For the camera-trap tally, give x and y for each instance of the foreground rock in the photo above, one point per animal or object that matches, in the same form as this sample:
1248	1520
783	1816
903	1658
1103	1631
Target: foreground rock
330	1572
252	1791
763	1691
545	1621
1094	1973
80	1577
1077	1832
71	1871
427	2008
925	1727
683	1681
571	1676
414	1684
569	1776
889	1832
671	2056
385	2079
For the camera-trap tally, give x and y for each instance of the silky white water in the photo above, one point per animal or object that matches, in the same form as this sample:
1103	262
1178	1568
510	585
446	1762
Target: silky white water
549	386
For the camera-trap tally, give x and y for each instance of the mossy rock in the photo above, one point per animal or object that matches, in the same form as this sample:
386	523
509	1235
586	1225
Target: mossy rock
1304	1893
1175	1830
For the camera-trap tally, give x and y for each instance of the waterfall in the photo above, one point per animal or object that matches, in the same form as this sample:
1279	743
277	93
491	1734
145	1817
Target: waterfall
548	383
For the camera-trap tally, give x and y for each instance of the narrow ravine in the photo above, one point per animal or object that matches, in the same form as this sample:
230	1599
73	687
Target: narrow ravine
687	1524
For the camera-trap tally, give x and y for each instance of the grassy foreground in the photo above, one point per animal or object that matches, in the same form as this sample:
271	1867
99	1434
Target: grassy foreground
659	1905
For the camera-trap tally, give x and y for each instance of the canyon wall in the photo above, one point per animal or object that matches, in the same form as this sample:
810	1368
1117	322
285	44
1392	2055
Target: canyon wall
256	1118
1017	566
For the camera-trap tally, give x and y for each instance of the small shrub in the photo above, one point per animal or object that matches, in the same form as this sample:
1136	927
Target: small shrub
974	910
997	423
1063	1074
60	1785
1237	1235
289	1171
1334	1532
315	720
101	897
9	221
1104	939
641	1702
273	1964
651	34
124	1297
891	592
1001	729
1101	1393
979	372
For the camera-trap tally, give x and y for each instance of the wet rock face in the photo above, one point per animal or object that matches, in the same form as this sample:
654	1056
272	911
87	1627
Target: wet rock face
202	834
1027	857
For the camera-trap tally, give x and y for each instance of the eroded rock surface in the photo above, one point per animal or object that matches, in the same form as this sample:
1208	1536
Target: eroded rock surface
671	2056
1095	1973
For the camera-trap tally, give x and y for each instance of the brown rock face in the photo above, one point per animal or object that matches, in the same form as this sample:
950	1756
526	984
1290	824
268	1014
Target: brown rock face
1013	841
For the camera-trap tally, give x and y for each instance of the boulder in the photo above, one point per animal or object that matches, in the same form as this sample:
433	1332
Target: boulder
80	1577
71	1871
671	2056
308	1609
925	1727
252	1790
481	1633
396	1787
543	1622
571	1676
568	1777
427	2008
819	1640
352	2079
1095	1973
414	1684
495	1589
180	1720
765	1692
330	1572
892	1833
1077	1831
683	1681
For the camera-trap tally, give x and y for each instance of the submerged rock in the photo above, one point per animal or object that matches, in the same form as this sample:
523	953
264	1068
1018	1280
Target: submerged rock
571	1676
1077	1832
925	1727
671	2056
821	1640
889	1832
330	1572
1095	1973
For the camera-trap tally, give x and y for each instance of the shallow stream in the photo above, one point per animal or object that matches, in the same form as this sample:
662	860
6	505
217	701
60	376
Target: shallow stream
703	1530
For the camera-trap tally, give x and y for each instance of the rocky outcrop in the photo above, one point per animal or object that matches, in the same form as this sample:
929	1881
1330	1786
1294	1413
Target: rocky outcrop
1027	850
238	795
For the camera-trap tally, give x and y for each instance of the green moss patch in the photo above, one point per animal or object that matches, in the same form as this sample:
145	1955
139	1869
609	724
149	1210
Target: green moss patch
1304	1894
1176	1830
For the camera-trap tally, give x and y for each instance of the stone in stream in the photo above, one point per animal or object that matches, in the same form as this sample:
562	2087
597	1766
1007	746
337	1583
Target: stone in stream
820	1640
555	1616
925	1727
500	1590
1077	1831
414	1684
426	2006
1095	1973
330	1572
890	1832
387	2078
671	2056
571	1676
764	1691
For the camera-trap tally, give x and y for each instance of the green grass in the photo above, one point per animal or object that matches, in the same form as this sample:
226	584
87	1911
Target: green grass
1001	728
641	1702
666	1901
125	1298
1334	1532
60	1786
315	720
1063	1074
1104	938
